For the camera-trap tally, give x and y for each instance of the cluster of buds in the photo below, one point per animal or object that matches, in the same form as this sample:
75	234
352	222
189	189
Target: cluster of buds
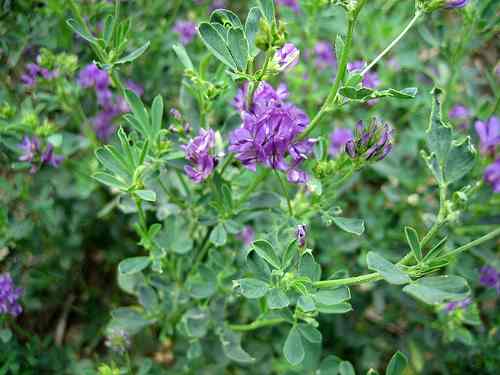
432	5
371	143
63	63
118	341
270	36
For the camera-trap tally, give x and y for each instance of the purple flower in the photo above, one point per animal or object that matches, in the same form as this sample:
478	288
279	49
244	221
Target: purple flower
338	140
292	4
301	234
9	296
217	4
489	134
48	157
174	112
247	235
269	133
34	71
287	57
198	153
325	55
452	306
490	277
117	340
456	3
92	76
459	112
30	148
186	31
492	175
372	142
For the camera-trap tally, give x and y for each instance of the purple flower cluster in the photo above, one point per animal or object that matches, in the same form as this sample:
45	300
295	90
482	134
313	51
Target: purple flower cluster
372	142
338	140
287	57
325	55
198	153
456	3
490	277
270	131
33	72
117	340
452	306
9	296
93	77
186	31
489	134
32	153
292	4
460	113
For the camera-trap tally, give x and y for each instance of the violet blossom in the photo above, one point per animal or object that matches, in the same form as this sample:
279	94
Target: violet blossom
198	153
270	131
217	4
32	153
33	72
247	235
325	55
456	305
492	175
372	142
301	234
292	4
338	140
450	4
186	31
286	57
490	277
489	134
9	296
459	112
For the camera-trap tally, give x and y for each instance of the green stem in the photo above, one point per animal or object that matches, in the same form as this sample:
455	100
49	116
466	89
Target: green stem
227	161
338	80
285	193
256	182
253	85
256	325
142	215
393	43
375	276
470	245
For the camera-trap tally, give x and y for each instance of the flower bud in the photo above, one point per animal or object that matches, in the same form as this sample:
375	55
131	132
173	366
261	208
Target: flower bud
301	234
372	142
432	5
286	57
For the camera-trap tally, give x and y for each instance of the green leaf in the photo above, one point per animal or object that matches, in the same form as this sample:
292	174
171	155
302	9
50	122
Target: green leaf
174	236
129	319
277	299
390	272
111	163
461	160
310	333
329	366
294	349
157	114
130	266
253	288
341	308
183	56
146	195
438	134
203	284
354	226
346	368
147	297
268	10
216	44
109	25
231	345
110	181
225	18
137	108
339	47
309	268
80	30
397	365
436	250
414	242
266	251
218	236
332	296
289	254
306	303
195	322
238	46
135	54
5	335
436	290
252	28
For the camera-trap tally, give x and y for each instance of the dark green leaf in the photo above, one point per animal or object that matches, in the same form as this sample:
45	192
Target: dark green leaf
438	289
310	333
332	296
294	349
216	44
461	160
438	134
252	28
309	268
354	226
340	308
266	251
390	272
397	365
346	368
80	30
238	46
277	299
133	55
306	303
253	288
231	345
130	266
218	236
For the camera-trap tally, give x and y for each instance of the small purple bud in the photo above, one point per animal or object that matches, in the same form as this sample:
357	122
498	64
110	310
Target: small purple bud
287	57
301	234
490	277
451	4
